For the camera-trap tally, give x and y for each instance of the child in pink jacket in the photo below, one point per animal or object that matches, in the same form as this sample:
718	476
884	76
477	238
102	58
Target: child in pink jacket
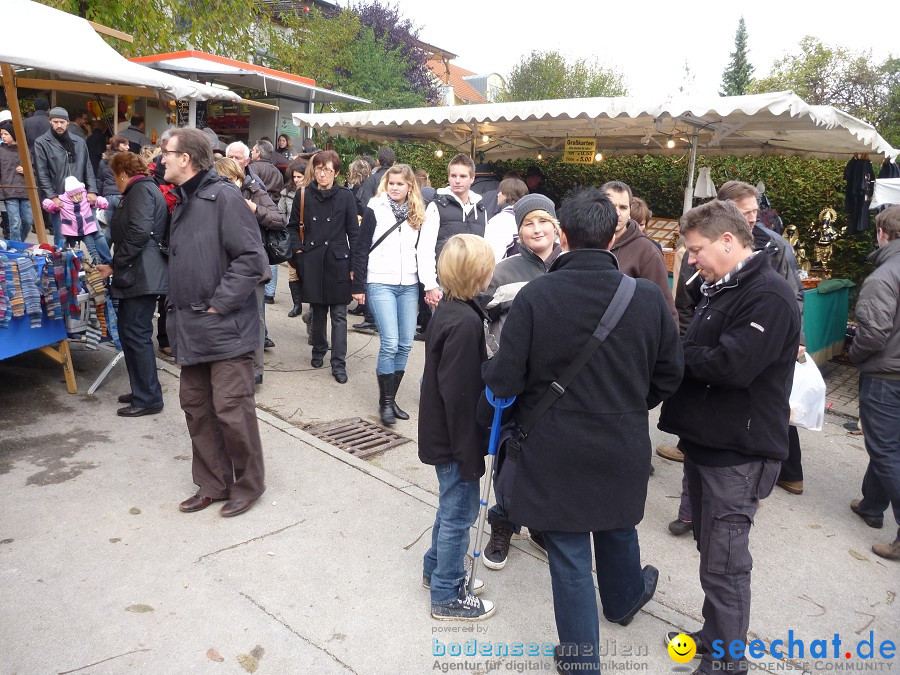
78	220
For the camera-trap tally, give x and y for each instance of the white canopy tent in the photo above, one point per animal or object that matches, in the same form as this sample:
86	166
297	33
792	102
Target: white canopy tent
68	46
764	124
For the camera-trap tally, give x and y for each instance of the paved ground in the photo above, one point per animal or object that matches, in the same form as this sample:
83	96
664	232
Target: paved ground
100	573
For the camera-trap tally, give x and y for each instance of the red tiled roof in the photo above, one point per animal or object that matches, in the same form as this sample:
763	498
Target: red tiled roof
463	89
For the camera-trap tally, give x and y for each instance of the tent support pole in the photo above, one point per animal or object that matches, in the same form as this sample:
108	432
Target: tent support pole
12	98
689	190
192	114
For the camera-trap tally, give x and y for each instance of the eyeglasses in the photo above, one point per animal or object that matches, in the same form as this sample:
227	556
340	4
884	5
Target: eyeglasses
172	152
324	169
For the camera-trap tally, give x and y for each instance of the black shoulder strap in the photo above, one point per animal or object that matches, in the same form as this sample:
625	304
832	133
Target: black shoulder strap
386	234
608	322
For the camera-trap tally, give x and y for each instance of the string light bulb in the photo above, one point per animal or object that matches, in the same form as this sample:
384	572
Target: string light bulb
670	144
540	156
598	157
485	138
438	153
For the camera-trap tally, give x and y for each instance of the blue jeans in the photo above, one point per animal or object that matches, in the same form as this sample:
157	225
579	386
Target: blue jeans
136	333
395	309
619	577
444	562
21	221
56	224
272	284
96	246
879	412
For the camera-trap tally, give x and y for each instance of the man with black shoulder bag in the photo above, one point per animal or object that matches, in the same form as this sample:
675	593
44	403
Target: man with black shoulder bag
578	467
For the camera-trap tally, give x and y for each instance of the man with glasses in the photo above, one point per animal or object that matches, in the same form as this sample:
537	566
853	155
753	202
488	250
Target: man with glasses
216	262
780	255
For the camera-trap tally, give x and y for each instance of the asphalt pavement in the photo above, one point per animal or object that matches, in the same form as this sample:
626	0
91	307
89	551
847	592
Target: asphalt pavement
101	573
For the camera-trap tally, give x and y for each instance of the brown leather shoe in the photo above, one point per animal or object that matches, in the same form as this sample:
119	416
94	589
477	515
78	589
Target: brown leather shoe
669	452
890	551
876	522
195	503
235	507
795	487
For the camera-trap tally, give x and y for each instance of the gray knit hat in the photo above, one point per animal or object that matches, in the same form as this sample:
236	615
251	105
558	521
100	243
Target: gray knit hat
59	113
532	202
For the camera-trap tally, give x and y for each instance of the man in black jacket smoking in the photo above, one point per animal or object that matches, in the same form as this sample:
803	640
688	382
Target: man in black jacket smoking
731	413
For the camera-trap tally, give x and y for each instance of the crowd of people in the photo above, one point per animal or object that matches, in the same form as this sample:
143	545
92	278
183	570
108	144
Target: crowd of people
568	308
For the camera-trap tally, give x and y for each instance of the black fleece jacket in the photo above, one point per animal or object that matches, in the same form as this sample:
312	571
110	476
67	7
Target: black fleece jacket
739	355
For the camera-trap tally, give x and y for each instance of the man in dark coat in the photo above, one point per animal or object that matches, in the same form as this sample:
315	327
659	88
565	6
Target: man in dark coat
638	256
38	124
876	352
582	471
57	155
731	414
216	262
323	258
261	164
370	185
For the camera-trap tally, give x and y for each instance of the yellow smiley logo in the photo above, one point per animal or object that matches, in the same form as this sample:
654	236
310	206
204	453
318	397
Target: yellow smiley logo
682	648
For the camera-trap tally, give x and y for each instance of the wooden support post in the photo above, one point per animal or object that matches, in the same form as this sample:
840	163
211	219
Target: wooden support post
12	98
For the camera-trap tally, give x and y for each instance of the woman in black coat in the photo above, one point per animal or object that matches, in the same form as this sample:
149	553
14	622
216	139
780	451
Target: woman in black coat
139	275
323	258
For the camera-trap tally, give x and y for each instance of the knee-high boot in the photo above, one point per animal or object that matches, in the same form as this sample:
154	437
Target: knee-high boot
297	310
398	413
386	398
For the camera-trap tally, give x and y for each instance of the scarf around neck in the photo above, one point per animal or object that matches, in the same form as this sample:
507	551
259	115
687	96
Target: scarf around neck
710	289
401	211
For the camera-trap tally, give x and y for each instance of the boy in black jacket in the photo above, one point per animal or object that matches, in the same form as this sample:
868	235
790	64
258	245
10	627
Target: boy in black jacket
450	438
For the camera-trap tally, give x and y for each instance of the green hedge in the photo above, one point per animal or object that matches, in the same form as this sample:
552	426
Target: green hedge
798	188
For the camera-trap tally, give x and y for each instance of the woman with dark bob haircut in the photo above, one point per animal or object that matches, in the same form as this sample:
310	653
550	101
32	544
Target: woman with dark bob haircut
139	274
322	258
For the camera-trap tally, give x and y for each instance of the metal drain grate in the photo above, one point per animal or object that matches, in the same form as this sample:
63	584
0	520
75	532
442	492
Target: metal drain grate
357	436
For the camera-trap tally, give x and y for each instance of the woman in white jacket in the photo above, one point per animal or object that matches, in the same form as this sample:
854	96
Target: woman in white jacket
394	252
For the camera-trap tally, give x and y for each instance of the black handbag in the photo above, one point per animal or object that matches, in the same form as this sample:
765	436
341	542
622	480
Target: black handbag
512	436
277	244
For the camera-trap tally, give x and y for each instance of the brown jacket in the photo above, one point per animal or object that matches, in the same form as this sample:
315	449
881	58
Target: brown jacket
640	258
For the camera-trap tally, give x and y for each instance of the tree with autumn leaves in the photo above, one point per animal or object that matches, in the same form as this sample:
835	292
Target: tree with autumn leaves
368	50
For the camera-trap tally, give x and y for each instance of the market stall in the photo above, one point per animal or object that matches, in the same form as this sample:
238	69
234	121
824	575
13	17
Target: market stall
70	47
269	96
778	123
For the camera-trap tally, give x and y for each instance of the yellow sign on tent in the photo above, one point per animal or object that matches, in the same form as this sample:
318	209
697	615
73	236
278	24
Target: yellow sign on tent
579	151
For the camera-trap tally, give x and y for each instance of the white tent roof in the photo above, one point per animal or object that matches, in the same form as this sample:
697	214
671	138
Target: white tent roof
778	123
241	75
68	46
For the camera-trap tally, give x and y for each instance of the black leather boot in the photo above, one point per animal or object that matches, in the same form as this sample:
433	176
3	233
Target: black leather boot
398	413
295	296
386	398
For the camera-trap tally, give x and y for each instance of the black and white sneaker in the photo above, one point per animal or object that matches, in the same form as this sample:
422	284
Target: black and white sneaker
497	550
477	588
466	607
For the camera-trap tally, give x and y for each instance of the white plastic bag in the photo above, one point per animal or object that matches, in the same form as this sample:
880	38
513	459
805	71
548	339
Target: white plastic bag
808	396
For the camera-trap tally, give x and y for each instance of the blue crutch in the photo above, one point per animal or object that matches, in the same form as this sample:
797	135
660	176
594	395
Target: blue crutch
499	404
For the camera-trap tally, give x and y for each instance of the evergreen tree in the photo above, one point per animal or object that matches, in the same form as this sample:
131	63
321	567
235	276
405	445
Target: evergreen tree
739	72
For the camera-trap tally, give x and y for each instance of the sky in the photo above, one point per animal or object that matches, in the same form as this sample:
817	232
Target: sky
645	40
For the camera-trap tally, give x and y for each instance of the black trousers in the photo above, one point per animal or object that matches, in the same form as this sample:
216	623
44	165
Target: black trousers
136	333
792	468
338	334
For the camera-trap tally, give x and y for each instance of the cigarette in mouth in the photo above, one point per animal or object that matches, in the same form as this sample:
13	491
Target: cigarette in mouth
694	276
